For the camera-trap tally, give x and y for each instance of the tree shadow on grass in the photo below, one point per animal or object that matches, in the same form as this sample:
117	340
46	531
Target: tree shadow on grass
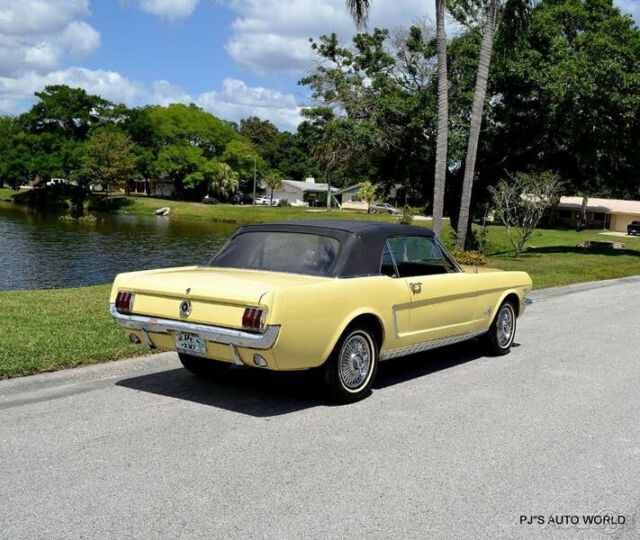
263	394
582	251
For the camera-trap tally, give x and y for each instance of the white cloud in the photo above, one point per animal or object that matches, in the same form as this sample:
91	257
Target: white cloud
35	35
171	9
273	35
21	17
236	100
17	92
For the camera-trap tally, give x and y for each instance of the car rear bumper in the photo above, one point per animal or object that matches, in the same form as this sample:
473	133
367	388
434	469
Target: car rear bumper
215	334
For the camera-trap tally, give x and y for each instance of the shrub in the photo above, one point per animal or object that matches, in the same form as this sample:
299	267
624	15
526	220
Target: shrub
284	202
470	258
406	218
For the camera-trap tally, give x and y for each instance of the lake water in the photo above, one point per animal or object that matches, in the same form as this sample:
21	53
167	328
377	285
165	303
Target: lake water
39	251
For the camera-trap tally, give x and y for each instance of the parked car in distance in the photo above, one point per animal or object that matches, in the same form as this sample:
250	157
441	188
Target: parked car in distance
266	201
633	228
339	296
384	208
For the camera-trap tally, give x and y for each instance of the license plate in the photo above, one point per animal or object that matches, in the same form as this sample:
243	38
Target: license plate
190	343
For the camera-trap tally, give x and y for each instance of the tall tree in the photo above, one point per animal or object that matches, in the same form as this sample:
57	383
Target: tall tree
492	11
359	10
443	119
108	158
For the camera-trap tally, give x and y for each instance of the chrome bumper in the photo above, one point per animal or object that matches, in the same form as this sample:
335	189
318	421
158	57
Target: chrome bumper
216	334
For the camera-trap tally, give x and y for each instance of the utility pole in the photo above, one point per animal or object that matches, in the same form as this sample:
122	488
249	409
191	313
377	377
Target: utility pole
255	162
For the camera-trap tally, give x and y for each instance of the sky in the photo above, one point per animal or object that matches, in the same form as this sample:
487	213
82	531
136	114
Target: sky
234	58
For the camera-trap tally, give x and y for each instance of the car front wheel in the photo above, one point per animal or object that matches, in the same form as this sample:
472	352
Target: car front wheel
204	367
502	331
349	372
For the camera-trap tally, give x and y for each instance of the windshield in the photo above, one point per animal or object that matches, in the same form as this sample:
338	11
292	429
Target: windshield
298	253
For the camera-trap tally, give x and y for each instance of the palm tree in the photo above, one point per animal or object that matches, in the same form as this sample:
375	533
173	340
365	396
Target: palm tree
443	119
360	10
273	180
515	13
225	181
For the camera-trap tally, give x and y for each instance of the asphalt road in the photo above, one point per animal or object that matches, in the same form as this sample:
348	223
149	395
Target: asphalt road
451	444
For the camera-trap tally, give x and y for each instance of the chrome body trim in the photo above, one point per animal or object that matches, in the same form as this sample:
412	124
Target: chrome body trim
216	334
428	345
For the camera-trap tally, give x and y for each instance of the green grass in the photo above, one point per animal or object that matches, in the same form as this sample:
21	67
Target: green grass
47	330
552	258
227	213
6	195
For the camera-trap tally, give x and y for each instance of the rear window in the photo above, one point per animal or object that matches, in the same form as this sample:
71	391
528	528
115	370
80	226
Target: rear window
298	253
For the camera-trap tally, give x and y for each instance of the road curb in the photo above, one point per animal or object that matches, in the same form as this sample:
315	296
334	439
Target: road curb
54	380
552	292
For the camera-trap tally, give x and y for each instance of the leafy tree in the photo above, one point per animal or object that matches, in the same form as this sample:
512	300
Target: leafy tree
379	93
368	194
68	112
262	133
273	181
181	163
570	98
188	125
242	157
108	158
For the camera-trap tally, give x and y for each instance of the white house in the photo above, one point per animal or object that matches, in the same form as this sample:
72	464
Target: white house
294	191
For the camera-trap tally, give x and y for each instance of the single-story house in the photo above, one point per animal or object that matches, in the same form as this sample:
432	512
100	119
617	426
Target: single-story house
612	214
350	198
298	193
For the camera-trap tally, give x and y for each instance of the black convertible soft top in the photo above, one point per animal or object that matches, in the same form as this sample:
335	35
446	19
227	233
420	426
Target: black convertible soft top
361	242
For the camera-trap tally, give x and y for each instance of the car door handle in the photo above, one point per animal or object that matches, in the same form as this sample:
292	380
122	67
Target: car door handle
416	287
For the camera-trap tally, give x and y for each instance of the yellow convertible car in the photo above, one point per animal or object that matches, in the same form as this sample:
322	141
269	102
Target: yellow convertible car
339	296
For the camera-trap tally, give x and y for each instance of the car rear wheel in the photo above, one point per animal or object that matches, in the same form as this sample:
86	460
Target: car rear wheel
203	367
349	372
502	331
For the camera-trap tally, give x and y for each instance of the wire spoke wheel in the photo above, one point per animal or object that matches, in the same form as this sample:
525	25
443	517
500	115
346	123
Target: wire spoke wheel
355	361
504	325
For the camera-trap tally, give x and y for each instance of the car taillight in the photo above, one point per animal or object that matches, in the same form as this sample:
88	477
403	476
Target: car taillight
253	319
124	301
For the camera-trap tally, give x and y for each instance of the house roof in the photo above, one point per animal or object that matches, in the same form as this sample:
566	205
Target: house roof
351	189
309	186
610	206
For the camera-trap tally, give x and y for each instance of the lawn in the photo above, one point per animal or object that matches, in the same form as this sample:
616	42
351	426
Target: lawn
552	258
6	195
227	213
59	328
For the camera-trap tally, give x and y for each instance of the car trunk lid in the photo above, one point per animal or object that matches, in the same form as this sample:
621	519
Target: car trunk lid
218	296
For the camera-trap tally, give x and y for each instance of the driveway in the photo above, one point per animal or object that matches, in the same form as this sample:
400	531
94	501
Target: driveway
451	444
